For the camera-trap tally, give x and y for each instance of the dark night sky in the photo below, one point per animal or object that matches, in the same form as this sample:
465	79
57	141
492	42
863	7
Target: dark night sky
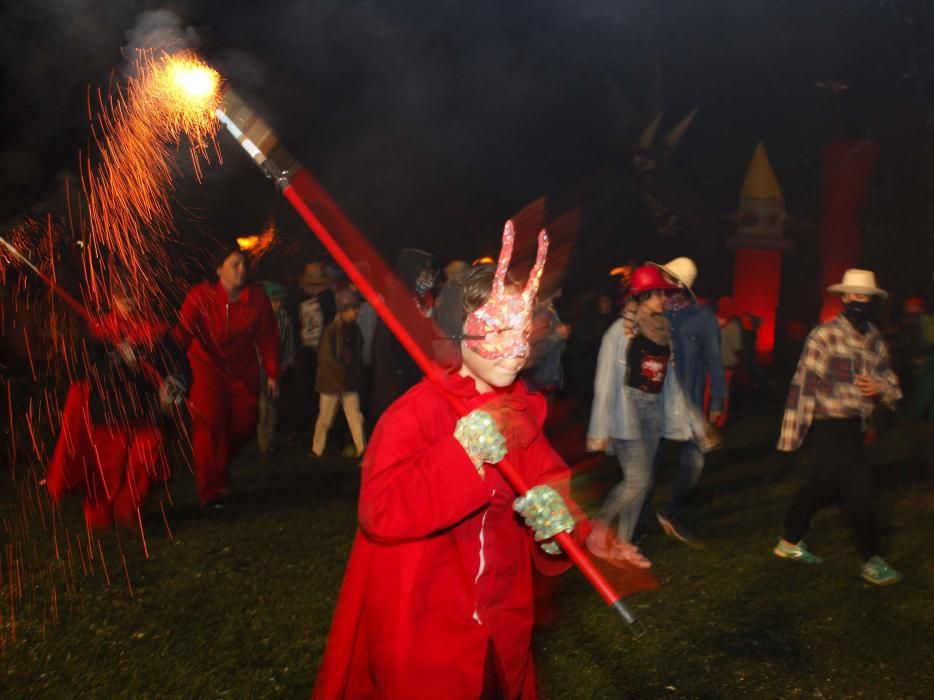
431	122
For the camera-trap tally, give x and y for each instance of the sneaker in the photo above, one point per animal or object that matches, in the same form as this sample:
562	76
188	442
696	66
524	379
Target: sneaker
674	528
878	571
627	554
597	540
799	552
215	505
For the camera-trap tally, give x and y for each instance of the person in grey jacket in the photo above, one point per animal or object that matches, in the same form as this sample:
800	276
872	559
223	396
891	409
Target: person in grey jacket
637	401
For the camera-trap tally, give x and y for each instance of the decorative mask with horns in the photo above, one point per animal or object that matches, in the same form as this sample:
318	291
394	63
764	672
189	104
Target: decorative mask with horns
506	309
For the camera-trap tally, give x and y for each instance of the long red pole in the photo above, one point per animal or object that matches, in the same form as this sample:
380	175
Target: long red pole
301	190
70	300
564	539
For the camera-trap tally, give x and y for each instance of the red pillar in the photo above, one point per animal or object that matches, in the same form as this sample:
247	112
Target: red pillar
845	169
756	283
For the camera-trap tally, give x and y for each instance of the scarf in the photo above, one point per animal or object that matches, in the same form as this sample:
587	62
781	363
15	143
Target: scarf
653	326
677	301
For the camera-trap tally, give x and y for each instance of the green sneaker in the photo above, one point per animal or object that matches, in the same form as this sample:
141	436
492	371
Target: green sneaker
798	552
878	571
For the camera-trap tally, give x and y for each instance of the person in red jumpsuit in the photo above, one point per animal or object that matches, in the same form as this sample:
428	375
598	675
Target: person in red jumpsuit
437	598
224	326
111	444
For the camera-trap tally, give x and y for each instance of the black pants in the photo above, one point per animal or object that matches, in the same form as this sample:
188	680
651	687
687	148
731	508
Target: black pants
840	474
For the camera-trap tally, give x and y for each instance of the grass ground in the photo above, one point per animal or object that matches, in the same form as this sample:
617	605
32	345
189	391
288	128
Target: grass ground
237	603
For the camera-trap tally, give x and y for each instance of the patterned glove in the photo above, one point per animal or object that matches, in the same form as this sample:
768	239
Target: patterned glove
546	513
478	435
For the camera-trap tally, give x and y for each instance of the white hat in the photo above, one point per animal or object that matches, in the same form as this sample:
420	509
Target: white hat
858	282
682	270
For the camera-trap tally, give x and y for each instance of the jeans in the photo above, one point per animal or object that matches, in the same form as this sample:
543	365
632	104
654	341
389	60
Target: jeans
636	458
690	468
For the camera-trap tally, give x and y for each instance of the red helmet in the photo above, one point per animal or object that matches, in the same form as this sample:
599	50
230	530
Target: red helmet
648	278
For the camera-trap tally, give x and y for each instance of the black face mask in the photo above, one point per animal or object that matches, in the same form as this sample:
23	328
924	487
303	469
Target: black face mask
858	313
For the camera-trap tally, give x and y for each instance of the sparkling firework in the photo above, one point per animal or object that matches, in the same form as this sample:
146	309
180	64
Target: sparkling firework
137	133
125	224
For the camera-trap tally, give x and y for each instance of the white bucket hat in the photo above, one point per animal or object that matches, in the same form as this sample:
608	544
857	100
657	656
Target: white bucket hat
682	270
858	282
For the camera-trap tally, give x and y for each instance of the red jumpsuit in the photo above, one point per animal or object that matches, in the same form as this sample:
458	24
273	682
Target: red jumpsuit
440	574
223	339
111	442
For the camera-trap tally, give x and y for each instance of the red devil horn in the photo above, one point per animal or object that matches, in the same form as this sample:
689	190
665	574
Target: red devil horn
505	255
535	276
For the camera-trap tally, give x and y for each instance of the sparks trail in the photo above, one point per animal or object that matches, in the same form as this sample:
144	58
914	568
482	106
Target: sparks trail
136	132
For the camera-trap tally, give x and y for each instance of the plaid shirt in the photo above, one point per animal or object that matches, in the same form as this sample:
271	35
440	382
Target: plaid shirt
834	354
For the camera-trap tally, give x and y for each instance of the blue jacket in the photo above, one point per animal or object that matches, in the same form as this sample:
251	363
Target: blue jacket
695	336
614	415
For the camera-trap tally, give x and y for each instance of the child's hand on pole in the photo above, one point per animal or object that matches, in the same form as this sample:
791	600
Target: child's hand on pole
546	513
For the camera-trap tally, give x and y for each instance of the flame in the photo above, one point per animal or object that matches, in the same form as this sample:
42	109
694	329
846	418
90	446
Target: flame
257	244
485	260
624	270
195	81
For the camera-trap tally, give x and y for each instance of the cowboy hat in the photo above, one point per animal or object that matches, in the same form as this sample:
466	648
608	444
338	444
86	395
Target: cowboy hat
682	270
858	282
316	273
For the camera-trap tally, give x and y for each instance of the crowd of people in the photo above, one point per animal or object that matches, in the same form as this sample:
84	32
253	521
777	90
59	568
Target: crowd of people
437	597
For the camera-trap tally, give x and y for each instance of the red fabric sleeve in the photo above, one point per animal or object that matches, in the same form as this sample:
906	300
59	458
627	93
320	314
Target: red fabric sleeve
184	331
411	489
267	336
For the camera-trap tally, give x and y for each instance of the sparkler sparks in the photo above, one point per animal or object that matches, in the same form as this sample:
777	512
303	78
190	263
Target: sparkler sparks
137	133
125	223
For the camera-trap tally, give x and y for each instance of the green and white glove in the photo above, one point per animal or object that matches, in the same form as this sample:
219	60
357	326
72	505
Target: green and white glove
479	436
546	513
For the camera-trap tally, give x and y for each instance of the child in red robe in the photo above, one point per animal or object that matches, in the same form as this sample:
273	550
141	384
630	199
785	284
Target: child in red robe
437	596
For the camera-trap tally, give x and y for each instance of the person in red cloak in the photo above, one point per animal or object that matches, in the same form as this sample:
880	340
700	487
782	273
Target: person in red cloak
223	326
111	444
437	598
